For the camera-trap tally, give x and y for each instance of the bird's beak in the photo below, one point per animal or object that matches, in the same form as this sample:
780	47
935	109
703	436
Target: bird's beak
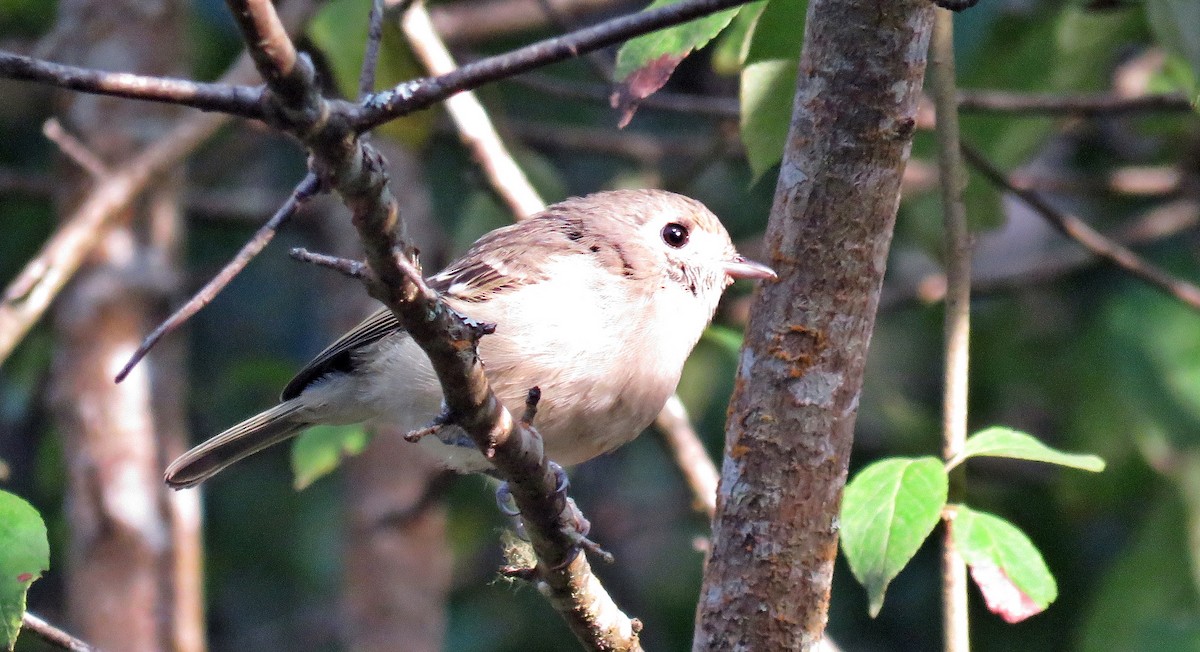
739	267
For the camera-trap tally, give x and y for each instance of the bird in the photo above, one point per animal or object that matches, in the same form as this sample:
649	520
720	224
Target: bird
597	301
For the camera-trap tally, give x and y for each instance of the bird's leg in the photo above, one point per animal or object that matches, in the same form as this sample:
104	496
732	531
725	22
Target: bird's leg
508	506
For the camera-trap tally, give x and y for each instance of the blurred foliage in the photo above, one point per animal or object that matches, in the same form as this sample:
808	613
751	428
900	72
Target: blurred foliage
1087	360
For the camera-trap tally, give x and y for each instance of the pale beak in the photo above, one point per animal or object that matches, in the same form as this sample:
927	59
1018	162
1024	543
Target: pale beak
739	267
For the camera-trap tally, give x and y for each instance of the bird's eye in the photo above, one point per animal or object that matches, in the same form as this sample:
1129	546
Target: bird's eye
675	234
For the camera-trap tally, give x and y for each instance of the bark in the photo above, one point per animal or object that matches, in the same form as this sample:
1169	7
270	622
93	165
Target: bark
133	569
792	415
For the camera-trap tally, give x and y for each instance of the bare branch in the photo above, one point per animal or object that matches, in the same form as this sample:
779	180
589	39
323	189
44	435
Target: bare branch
471	120
990	101
957	318
53	635
352	268
690	456
418	94
1087	237
366	77
239	100
304	190
75	150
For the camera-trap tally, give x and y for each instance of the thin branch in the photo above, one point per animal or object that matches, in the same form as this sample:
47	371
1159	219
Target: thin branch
366	77
1087	237
75	149
53	635
957	320
421	93
690	456
304	190
471	120
1087	105
239	100
352	268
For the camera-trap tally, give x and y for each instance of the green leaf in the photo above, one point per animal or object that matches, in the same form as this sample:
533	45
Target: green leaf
340	31
24	556
679	40
645	63
888	511
1004	563
320	449
729	52
768	83
1174	23
999	441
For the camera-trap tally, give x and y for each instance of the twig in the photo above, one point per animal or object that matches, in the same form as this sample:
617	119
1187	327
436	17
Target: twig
1158	223
352	268
1087	237
239	100
75	150
53	635
366	77
304	190
471	120
957	321
1089	105
418	94
690	456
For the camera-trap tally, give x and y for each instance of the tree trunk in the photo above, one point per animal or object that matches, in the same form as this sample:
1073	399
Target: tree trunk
133	571
791	418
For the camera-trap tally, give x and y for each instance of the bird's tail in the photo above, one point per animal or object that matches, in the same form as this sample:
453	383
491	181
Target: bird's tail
243	440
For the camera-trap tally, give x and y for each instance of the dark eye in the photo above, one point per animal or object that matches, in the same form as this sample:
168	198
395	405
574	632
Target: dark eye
675	234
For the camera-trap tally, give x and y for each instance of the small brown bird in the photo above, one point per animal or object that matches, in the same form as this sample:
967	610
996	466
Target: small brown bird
597	300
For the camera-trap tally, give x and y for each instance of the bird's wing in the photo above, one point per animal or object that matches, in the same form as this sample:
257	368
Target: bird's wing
337	356
500	262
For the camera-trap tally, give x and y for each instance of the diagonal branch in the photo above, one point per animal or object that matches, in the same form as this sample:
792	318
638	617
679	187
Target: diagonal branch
302	193
1087	237
30	293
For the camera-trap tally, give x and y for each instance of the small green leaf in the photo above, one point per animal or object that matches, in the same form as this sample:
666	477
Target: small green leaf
24	556
768	84
320	449
729	52
999	441
1004	563
888	510
645	63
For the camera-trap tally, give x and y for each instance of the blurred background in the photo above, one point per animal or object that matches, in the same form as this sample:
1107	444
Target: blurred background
1074	352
